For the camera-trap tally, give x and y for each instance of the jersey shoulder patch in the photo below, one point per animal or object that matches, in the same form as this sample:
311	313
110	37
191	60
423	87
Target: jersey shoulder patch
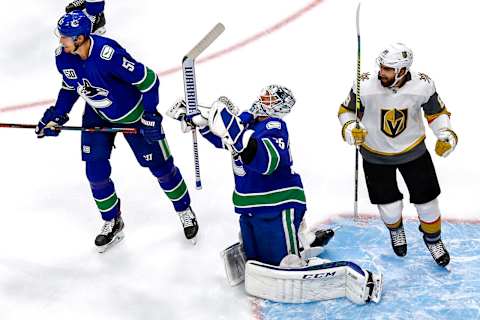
423	77
273	125
107	52
423	84
365	76
58	51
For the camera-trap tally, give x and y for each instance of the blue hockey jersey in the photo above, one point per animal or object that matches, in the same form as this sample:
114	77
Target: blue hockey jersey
267	182
110	80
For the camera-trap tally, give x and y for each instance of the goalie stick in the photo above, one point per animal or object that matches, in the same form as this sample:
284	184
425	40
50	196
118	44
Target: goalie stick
190	87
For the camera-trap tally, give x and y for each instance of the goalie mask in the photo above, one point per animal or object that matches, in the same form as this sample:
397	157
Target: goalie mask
396	56
273	101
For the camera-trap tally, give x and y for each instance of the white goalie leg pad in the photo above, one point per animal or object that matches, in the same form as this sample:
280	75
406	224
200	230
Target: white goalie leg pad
391	213
234	261
312	283
428	212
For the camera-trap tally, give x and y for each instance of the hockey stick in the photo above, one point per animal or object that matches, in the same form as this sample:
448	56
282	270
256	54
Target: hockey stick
357	108
70	128
190	87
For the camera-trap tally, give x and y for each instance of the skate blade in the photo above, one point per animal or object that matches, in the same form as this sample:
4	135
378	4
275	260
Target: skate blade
194	240
118	237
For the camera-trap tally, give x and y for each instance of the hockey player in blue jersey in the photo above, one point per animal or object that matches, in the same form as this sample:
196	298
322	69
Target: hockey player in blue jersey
119	91
270	199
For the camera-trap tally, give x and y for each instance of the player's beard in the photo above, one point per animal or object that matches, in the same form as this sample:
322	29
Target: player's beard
385	81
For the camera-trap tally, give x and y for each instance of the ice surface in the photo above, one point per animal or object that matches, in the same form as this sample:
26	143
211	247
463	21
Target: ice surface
414	288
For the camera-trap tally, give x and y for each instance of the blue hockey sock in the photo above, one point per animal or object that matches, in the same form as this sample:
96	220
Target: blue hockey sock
174	187
103	190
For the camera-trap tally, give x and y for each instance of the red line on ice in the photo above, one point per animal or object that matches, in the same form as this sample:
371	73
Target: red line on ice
277	26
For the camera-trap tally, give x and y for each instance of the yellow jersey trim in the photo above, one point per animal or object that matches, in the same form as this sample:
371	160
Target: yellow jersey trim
416	143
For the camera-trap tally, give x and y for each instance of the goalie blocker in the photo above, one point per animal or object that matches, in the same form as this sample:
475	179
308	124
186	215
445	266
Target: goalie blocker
313	283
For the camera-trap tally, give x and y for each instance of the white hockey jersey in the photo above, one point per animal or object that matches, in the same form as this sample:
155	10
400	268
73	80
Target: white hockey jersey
393	117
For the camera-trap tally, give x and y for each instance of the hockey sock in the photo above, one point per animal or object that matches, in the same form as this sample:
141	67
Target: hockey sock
103	189
174	187
431	230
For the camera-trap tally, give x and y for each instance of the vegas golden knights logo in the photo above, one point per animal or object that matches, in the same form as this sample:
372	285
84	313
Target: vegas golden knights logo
394	122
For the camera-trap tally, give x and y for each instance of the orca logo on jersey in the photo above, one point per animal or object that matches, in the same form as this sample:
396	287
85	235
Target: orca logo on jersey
394	121
94	96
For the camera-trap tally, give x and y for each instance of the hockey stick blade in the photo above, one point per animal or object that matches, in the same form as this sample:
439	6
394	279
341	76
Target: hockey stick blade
205	42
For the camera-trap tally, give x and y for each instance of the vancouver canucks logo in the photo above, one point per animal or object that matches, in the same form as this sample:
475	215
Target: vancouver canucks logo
393	121
94	96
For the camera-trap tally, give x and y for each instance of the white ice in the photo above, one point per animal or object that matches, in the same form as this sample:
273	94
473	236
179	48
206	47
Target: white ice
48	220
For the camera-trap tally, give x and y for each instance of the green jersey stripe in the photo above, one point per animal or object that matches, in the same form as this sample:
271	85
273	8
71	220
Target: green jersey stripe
149	80
272	198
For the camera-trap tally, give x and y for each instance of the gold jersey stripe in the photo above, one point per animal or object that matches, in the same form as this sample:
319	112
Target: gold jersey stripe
431	117
343	109
409	148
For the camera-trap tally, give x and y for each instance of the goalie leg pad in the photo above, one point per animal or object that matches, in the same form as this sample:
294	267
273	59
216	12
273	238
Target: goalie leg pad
313	283
234	260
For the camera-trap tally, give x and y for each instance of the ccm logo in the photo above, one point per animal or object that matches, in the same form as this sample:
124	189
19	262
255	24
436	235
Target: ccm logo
320	275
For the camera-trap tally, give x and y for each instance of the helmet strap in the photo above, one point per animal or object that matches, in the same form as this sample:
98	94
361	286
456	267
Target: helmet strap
397	78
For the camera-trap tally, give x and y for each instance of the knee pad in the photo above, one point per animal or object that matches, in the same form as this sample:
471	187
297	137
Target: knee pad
98	172
391	213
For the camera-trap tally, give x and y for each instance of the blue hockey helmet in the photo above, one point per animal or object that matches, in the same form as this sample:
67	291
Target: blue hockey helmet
74	24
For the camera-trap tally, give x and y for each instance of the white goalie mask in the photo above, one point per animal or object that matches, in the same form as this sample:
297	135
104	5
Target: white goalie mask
396	56
273	101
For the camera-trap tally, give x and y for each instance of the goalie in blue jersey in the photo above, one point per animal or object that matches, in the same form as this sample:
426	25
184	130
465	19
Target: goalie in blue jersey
270	199
119	91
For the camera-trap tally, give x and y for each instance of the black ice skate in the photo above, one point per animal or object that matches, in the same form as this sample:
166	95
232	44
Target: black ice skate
190	225
98	21
438	251
399	241
112	233
75	5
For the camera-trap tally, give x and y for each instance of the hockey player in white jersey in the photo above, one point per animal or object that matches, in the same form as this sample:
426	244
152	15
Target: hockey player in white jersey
271	203
391	136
